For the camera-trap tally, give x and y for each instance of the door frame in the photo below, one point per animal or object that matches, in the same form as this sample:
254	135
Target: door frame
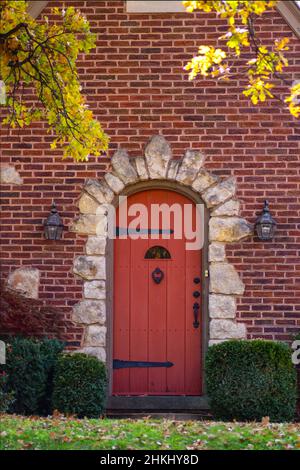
157	402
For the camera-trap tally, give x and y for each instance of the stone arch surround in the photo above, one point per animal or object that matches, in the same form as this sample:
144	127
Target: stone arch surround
225	226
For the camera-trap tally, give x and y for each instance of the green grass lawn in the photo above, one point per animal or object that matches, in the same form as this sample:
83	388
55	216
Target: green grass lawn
69	434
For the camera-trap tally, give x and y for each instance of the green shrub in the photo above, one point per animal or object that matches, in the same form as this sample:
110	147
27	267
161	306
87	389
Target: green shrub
6	398
79	386
247	380
29	367
297	338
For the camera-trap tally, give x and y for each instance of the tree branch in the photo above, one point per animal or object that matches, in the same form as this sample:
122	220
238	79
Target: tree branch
4	36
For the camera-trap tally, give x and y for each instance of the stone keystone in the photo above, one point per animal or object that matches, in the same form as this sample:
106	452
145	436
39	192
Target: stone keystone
89	312
158	153
123	168
90	267
141	168
224	279
229	229
191	164
220	193
173	169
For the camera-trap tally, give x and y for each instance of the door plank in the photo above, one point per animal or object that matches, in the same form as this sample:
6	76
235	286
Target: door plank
157	310
121	323
139	308
176	312
193	335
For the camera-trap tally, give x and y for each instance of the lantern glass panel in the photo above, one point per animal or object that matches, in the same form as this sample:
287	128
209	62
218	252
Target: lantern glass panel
59	233
51	232
266	231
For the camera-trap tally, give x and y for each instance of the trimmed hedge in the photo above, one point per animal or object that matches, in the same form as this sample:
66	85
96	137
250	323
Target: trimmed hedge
248	380
29	368
80	386
297	338
6	398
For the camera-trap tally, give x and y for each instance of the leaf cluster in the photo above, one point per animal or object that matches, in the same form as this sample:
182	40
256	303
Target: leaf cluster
262	69
43	55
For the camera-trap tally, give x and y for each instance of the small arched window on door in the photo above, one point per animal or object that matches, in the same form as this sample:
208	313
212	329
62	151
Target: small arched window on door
157	252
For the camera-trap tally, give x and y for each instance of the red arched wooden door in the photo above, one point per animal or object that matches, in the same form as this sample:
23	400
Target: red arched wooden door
153	323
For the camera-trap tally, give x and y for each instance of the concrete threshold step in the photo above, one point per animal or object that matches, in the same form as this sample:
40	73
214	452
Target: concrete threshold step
176	416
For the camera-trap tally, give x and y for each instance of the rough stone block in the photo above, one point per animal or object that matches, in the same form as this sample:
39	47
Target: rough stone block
90	267
123	168
95	245
87	205
229	208
220	193
229	229
204	180
95	336
9	175
99	353
26	281
99	190
89	224
191	164
88	312
216	252
173	168
224	279
141	168
115	183
222	306
94	290
226	329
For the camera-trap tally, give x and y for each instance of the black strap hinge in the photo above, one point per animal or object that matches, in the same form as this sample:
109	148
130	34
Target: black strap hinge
119	364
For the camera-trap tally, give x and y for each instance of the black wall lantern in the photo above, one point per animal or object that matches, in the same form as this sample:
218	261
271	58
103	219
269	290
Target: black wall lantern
265	225
53	226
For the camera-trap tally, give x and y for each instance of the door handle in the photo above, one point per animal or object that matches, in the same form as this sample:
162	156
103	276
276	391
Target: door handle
196	308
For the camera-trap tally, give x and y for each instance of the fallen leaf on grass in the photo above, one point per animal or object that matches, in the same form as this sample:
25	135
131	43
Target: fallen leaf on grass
265	421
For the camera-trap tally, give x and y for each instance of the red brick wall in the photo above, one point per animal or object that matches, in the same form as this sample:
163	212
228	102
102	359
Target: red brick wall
135	84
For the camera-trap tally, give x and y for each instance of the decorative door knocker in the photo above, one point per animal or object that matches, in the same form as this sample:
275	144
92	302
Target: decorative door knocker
157	276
